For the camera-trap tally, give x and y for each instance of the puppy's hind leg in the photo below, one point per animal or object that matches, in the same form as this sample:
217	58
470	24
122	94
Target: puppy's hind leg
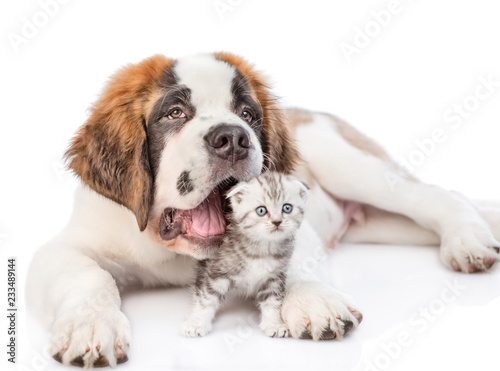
383	227
490	211
349	173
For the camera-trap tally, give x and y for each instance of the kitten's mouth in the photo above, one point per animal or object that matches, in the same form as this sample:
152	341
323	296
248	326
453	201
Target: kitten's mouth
205	225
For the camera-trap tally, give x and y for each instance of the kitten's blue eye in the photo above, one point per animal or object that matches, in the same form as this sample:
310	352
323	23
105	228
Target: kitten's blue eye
287	208
261	211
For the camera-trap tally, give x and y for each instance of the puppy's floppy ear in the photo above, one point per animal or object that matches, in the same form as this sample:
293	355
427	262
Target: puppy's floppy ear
278	144
110	151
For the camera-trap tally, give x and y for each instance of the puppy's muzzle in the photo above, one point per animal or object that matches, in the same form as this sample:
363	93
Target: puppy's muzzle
228	142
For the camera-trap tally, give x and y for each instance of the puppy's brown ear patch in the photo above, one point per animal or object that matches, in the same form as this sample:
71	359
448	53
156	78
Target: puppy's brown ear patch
279	147
110	151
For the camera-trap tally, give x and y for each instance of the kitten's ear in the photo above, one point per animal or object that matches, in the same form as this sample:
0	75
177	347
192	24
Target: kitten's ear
303	187
237	192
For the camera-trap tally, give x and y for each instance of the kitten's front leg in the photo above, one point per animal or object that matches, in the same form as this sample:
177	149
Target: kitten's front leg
270	297
207	299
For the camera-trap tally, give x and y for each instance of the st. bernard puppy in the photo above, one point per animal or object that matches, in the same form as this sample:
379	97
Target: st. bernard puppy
164	142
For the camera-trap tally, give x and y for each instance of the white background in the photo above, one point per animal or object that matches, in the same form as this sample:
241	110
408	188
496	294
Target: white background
426	59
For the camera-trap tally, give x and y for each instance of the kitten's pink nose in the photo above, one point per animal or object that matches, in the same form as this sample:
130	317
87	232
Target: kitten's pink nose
276	223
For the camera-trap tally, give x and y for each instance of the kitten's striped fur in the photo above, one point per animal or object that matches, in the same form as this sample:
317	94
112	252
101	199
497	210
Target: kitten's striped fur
255	254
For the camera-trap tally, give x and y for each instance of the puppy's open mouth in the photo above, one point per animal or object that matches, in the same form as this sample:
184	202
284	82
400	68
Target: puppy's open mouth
204	225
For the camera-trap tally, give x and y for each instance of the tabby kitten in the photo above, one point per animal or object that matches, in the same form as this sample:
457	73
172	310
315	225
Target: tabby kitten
253	259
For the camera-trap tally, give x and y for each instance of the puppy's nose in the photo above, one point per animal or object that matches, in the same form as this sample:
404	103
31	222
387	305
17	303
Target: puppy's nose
229	142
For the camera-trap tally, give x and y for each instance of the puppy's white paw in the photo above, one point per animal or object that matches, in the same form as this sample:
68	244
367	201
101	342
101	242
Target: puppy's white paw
318	311
195	328
275	330
92	339
469	249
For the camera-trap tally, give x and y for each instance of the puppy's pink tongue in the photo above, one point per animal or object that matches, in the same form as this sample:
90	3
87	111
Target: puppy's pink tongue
207	218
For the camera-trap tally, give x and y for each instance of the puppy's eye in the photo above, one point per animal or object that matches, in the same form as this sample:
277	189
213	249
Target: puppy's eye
176	114
247	115
287	208
261	211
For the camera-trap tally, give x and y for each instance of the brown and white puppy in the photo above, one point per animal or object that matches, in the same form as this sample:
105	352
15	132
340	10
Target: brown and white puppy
164	142
166	138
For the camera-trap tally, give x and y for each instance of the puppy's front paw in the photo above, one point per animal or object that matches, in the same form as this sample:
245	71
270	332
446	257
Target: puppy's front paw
194	328
275	330
318	311
93	339
469	249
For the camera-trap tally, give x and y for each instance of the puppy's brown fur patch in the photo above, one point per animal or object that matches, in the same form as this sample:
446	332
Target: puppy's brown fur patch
110	151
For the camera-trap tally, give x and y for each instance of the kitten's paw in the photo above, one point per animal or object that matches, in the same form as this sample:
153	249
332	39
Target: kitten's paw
277	330
472	249
318	311
194	328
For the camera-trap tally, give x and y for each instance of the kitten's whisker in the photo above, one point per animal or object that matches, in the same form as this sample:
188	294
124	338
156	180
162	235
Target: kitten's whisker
269	158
